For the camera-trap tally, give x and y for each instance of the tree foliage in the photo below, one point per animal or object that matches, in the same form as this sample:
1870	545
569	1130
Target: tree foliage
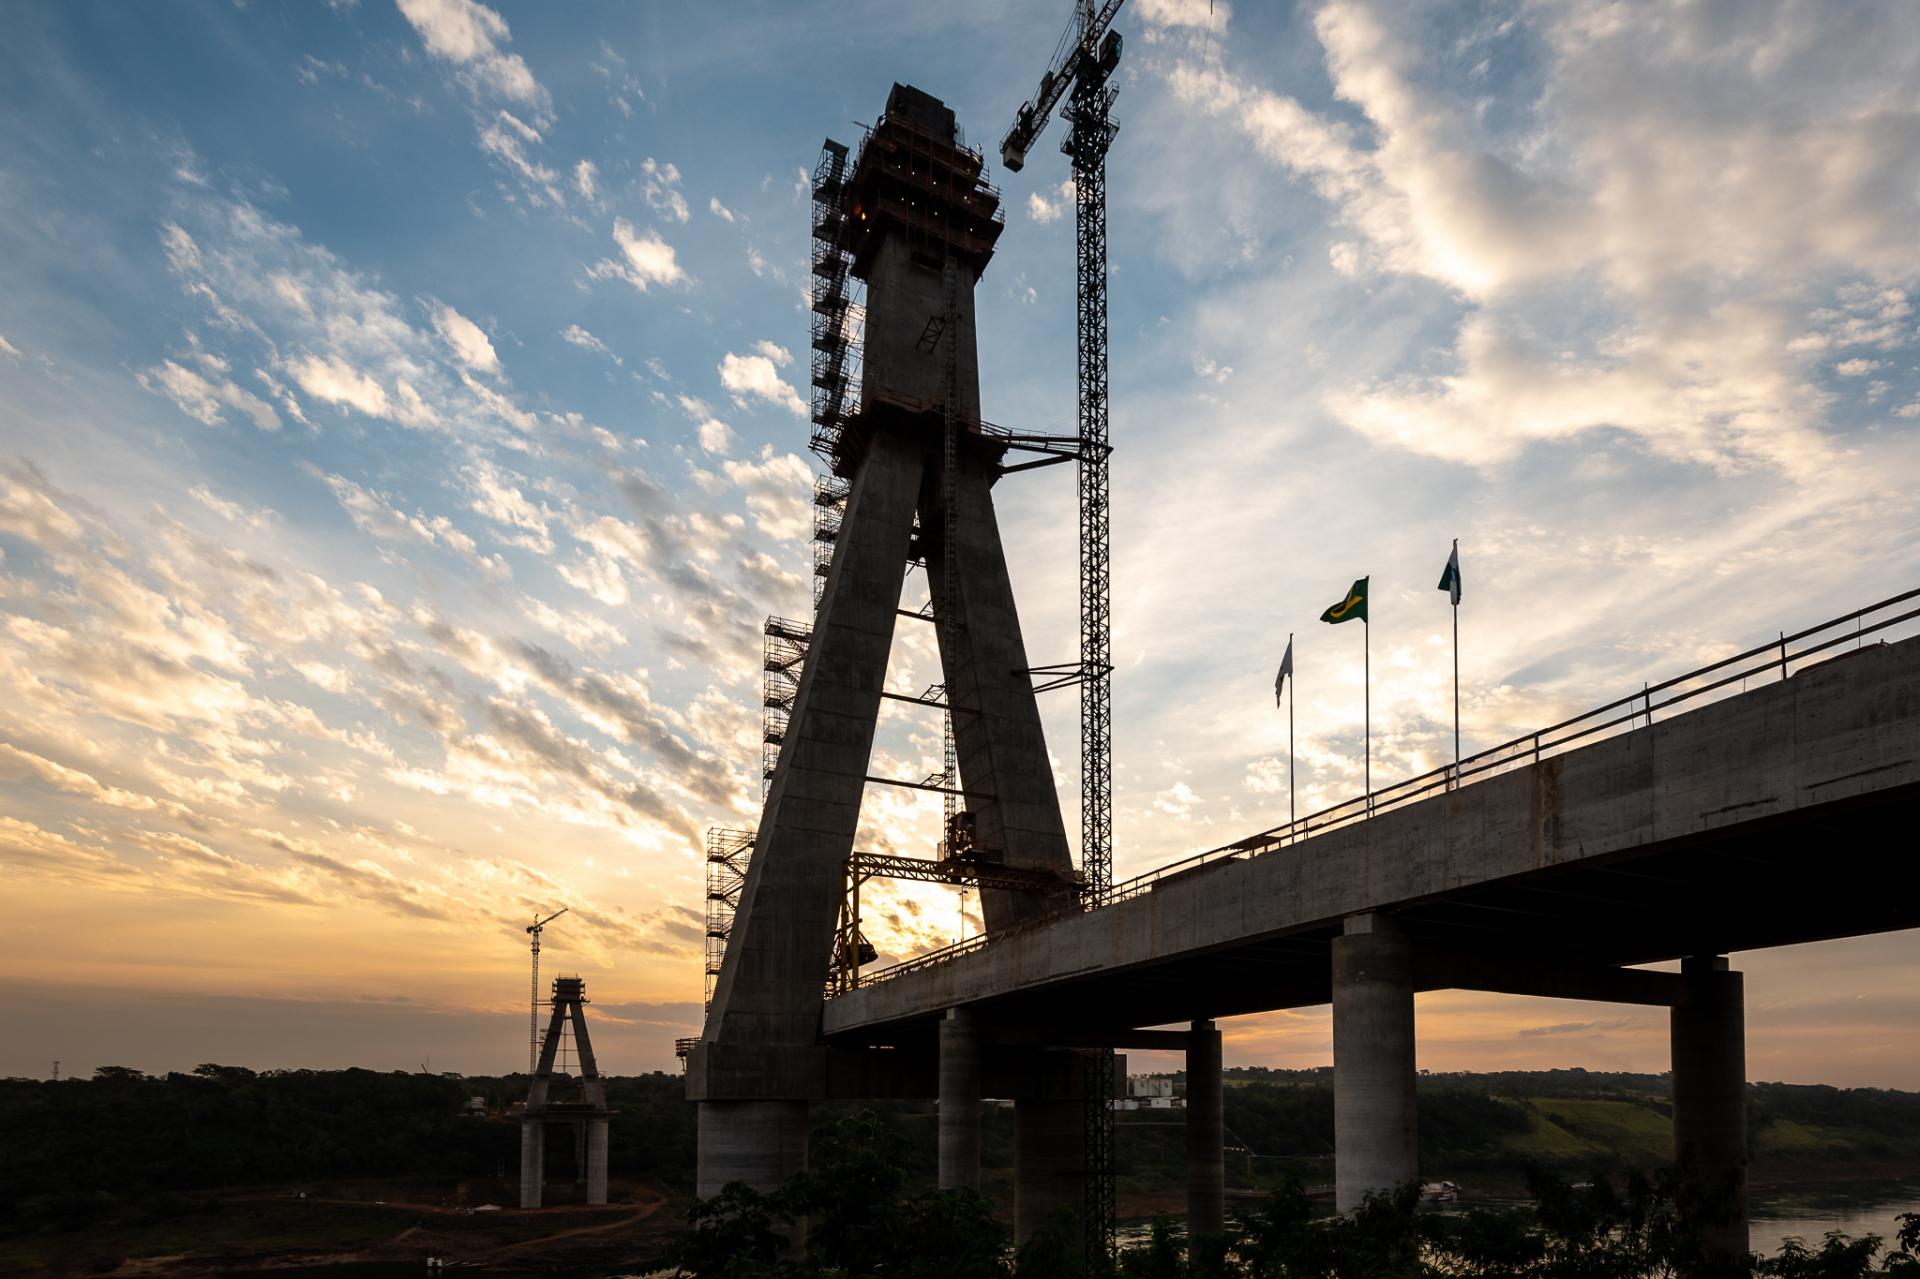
856	1217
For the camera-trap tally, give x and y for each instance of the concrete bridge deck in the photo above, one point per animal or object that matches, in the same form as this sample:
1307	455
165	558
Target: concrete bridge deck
1786	814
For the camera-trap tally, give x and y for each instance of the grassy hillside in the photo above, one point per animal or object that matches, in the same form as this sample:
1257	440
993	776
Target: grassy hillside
1497	1124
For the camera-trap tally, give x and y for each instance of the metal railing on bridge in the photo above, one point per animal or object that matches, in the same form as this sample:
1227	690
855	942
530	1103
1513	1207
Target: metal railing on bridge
1771	662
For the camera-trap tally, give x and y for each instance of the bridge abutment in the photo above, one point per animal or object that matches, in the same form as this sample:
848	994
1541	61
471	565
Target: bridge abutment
1375	1132
1206	1156
1710	1096
959	1101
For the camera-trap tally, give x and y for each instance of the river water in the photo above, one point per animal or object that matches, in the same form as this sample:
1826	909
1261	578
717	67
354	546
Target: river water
1806	1214
1811	1213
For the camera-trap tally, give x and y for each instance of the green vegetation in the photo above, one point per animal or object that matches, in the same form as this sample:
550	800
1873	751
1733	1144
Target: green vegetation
863	1220
145	1165
1499	1124
150	1166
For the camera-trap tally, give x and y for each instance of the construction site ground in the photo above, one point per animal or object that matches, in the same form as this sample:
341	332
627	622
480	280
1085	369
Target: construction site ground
313	1228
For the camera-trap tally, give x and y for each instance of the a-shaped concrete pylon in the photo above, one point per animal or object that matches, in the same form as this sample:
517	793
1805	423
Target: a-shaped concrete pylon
920	225
587	1113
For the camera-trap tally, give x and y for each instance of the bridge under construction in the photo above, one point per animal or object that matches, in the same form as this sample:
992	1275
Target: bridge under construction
1746	805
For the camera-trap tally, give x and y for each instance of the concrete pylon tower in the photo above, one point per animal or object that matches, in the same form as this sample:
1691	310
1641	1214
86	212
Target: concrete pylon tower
586	1113
917	222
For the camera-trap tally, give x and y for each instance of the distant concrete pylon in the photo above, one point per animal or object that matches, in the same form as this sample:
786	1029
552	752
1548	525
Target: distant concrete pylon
587	1114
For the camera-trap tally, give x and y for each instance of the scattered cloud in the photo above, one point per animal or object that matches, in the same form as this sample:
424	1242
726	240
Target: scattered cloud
1043	209
645	259
471	36
466	340
376	514
208	396
662	189
757	377
586	341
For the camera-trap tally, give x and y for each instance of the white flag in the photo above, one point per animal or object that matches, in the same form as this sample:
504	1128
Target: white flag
1286	669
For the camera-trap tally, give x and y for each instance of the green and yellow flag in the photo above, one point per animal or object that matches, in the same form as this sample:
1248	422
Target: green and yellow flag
1355	605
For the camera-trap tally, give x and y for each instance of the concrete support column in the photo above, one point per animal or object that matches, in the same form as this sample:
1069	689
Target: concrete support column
759	1142
1710	1096
1049	1164
1206	1158
596	1161
533	1163
1376	1143
959	1101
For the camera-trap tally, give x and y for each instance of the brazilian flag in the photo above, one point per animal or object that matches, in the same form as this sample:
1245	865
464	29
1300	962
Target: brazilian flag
1355	605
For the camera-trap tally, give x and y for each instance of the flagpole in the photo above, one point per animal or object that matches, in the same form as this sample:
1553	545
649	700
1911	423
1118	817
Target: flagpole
1290	787
1366	646
1456	676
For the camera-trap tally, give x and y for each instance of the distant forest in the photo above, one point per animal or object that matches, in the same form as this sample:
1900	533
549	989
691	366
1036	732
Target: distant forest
78	1148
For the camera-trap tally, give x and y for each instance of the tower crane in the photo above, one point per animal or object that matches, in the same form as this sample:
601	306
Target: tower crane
1081	71
534	930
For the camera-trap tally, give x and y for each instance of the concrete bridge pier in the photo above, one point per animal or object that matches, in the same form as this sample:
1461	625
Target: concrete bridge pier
533	1162
596	1161
959	1101
1710	1095
1375	1129
761	1143
1206	1157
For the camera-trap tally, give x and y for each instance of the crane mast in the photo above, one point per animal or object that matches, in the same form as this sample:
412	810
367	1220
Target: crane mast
1082	71
534	930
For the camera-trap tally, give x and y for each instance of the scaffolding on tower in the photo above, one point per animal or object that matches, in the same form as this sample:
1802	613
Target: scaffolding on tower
783	653
836	304
728	852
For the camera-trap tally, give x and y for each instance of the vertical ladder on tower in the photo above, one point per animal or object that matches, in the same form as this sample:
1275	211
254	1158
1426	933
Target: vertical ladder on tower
950	525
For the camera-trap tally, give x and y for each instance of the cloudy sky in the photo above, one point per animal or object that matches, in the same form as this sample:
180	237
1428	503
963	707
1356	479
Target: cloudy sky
402	437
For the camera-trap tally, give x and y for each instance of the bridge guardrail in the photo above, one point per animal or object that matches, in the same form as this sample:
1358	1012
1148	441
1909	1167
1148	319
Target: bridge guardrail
1627	713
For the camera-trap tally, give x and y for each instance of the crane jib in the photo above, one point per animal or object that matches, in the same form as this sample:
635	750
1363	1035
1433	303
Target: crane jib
1098	45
